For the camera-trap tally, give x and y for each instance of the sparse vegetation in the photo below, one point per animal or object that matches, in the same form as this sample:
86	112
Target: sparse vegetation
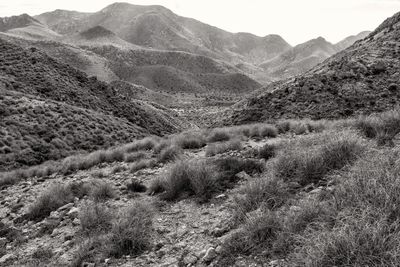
55	197
218	135
214	149
95	218
170	153
132	232
310	166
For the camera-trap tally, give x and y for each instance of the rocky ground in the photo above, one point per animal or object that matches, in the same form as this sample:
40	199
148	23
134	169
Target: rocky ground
187	233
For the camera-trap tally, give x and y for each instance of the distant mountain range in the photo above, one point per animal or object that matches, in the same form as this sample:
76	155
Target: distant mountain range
156	31
362	79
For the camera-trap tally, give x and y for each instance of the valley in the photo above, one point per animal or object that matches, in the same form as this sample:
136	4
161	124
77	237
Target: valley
133	136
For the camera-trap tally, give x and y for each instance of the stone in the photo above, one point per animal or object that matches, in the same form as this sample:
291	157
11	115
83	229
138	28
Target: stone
220	196
66	207
210	255
76	222
6	258
3	242
190	259
73	213
316	191
88	264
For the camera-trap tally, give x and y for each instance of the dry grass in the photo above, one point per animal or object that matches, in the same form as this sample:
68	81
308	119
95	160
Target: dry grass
219	148
53	198
313	164
190	177
132	232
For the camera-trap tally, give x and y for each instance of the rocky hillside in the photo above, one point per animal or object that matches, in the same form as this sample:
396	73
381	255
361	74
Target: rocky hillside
159	28
347	42
364	78
40	91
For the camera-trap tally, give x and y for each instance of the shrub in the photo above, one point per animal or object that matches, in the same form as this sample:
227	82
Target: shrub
95	218
383	127
191	177
136	186
258	233
118	168
313	164
142	164
218	135
267	192
311	213
132	157
267	151
147	143
283	126
132	232
170	153
190	141
230	166
214	149
357	242
55	197
268	131
102	191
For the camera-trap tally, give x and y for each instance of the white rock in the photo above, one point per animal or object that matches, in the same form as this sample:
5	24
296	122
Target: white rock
210	255
74	212
66	207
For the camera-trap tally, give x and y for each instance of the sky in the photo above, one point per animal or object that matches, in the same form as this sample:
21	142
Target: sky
296	21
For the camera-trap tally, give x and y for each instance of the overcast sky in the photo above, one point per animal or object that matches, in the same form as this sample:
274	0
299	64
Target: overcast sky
295	20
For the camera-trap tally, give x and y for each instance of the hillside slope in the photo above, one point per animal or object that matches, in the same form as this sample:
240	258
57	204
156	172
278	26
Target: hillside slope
25	73
364	78
299	59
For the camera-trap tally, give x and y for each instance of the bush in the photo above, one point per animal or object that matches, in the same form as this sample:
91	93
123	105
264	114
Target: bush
95	218
55	197
191	177
268	131
142	164
312	165
267	152
267	192
218	135
383	127
101	191
136	186
147	143
132	157
214	149
357	242
131	234
230	166
190	141
170	153
258	233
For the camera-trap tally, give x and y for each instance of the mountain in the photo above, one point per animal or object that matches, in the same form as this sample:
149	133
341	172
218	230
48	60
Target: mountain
49	109
13	22
299	59
362	79
345	43
159	28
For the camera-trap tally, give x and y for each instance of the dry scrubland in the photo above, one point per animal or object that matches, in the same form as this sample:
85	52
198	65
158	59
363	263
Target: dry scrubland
296	193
